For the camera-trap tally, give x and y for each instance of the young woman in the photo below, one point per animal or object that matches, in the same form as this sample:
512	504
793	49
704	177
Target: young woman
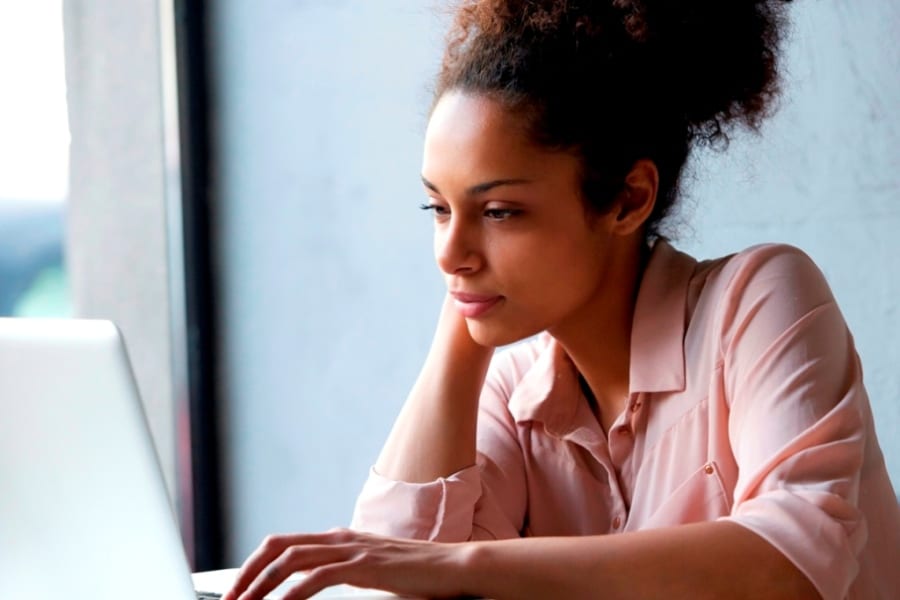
673	428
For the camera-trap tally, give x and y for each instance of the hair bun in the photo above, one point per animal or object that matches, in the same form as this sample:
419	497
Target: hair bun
715	58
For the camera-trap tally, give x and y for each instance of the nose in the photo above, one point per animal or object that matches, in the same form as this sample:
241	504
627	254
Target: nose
457	248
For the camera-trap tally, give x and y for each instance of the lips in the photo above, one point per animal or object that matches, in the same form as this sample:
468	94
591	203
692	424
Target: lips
472	306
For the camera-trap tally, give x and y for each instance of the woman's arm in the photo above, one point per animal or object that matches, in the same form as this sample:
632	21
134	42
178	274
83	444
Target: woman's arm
434	435
434	481
705	560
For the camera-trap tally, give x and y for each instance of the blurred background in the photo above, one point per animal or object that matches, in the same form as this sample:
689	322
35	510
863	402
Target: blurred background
236	185
34	160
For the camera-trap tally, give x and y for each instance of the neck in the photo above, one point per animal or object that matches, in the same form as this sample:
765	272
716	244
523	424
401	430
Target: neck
598	337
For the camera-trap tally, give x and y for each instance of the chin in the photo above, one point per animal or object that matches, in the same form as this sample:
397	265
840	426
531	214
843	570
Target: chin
494	335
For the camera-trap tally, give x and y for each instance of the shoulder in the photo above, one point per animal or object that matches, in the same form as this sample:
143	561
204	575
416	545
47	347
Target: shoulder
768	288
764	271
766	260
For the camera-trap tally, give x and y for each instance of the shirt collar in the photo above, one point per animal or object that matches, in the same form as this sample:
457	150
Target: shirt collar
549	392
660	318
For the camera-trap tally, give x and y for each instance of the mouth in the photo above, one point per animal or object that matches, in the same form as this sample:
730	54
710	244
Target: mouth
472	306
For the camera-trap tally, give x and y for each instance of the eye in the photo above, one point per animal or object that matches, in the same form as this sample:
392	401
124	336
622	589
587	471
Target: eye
500	214
437	209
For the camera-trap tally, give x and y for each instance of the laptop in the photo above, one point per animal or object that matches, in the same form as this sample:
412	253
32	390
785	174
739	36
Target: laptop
84	512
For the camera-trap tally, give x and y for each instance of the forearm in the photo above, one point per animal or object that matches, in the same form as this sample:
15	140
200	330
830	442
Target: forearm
704	560
434	435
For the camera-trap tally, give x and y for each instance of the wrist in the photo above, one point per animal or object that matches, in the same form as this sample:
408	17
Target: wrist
467	567
452	323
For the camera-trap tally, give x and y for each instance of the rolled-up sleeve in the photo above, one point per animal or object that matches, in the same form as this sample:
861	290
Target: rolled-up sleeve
484	501
796	421
438	510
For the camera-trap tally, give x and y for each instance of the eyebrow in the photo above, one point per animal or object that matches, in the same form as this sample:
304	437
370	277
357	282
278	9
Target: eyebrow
480	188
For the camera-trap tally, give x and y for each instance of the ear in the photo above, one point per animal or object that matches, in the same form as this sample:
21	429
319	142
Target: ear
637	199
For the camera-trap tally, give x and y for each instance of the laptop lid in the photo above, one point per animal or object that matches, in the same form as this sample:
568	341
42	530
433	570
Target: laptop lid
83	508
84	512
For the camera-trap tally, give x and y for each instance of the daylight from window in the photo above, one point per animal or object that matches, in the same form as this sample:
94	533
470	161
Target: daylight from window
34	159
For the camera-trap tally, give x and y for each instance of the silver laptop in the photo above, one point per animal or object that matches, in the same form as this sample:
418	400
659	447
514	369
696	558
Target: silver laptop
83	509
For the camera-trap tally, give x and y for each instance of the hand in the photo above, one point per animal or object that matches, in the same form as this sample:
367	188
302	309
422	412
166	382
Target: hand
406	567
453	331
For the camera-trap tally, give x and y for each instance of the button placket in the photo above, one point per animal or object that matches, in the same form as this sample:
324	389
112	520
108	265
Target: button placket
636	407
621	442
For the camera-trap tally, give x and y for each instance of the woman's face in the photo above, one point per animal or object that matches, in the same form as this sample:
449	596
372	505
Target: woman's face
519	252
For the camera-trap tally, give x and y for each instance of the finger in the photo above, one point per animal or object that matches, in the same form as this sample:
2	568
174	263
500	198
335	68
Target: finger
293	559
325	576
272	547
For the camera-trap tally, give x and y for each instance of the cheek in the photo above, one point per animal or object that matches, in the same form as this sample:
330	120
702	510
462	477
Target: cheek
556	269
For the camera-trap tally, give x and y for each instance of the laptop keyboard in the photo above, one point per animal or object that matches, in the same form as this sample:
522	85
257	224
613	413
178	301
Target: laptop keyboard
208	596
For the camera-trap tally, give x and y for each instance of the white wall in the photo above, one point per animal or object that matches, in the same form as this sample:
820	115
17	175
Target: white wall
328	292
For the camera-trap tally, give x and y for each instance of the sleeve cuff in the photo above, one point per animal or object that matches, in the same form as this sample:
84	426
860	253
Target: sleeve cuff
440	511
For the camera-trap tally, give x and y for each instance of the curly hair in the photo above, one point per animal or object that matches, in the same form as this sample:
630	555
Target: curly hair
615	81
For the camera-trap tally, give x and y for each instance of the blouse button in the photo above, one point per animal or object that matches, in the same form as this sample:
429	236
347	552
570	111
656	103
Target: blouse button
709	469
616	522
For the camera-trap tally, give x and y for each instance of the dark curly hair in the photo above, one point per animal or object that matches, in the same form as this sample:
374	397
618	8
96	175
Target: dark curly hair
615	81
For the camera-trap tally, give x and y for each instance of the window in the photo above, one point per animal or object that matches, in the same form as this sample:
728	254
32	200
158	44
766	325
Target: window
34	155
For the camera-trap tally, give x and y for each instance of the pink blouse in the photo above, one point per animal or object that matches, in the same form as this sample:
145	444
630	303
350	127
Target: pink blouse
746	404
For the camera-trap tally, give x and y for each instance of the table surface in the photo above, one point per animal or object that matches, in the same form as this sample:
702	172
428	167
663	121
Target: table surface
220	581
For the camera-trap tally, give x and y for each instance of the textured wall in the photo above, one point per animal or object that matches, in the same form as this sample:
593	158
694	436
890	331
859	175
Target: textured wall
328	292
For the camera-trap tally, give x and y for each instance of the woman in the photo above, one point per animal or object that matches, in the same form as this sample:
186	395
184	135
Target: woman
676	428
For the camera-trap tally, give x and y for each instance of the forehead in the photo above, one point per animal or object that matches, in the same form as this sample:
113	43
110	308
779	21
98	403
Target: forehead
475	127
466	115
474	137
